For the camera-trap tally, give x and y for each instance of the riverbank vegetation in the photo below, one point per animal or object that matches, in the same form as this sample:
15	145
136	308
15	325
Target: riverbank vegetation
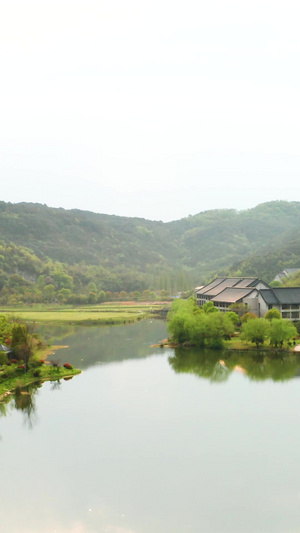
20	362
191	325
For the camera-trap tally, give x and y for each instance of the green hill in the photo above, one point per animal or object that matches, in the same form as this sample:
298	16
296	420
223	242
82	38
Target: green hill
97	252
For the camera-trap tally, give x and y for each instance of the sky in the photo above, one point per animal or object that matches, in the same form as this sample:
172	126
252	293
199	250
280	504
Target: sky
155	109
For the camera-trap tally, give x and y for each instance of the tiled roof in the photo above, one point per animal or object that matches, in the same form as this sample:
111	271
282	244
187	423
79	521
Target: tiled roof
208	287
219	284
281	295
233	294
269	296
291	270
228	282
247	282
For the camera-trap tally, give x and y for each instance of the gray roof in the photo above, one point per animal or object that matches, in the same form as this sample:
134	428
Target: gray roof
4	348
210	285
228	282
281	295
233	294
269	296
291	270
247	282
218	285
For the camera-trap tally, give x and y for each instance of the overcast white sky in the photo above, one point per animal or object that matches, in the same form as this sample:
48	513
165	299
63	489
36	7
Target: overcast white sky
157	109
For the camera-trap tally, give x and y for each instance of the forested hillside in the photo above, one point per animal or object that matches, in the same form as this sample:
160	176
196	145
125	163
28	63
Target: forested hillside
283	252
45	251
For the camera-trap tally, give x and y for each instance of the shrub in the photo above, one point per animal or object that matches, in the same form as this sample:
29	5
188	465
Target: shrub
3	358
68	366
37	373
35	363
248	316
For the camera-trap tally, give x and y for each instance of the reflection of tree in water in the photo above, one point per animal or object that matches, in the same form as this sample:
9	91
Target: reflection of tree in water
217	366
24	399
204	363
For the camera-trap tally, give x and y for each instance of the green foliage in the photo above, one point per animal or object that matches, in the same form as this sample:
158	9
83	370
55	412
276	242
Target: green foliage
256	330
281	331
248	316
5	329
45	251
272	313
209	307
234	317
239	308
187	323
3	358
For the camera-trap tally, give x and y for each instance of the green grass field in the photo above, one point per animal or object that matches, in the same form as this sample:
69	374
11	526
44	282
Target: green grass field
112	313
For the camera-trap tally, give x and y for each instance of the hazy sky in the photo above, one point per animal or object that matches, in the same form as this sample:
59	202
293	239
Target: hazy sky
158	109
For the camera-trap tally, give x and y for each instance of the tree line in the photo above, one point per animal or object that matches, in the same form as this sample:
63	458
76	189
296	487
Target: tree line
208	326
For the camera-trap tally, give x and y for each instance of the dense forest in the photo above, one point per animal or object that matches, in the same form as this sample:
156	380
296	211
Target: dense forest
75	256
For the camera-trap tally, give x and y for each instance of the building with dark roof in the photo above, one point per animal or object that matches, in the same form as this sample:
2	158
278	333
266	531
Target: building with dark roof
253	292
285	299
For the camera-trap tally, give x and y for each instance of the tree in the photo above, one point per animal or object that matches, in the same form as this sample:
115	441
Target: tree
63	295
22	342
248	316
239	308
49	293
272	313
256	330
209	307
234	317
281	331
189	323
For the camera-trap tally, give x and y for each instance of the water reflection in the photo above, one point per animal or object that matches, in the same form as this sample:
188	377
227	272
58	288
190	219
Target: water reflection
88	346
22	399
218	366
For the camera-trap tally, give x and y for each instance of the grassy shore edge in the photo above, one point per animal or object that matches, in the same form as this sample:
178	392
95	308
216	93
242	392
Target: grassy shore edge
51	374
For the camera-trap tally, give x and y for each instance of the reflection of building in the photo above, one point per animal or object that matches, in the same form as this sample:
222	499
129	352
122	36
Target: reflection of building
253	292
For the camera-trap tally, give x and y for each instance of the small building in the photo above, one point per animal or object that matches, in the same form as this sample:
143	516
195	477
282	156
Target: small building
5	349
286	273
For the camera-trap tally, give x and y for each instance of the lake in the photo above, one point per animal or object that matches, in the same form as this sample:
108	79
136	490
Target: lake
151	440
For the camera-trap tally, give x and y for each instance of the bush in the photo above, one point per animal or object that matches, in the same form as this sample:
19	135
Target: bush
36	363
68	366
3	358
37	373
248	316
297	324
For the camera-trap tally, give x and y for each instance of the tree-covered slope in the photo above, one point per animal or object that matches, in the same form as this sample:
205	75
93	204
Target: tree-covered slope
134	253
282	252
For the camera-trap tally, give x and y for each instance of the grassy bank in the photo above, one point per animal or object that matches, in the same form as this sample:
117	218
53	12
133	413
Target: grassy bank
18	378
112	313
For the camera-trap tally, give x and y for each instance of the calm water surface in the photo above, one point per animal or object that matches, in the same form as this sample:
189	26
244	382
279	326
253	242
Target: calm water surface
149	440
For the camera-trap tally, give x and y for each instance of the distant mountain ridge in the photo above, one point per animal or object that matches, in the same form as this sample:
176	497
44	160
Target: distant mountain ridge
258	241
